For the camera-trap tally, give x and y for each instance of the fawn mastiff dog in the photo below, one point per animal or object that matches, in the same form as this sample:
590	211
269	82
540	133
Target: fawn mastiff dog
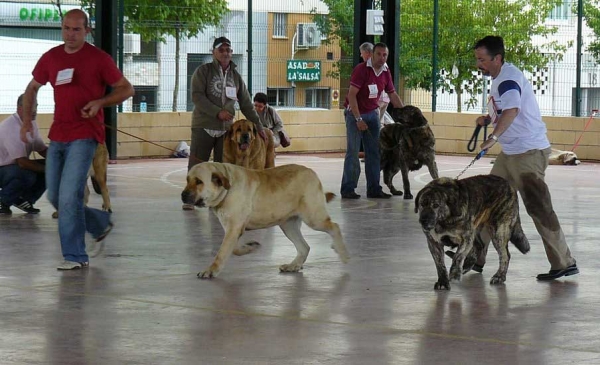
406	145
98	176
245	199
559	157
452	213
243	146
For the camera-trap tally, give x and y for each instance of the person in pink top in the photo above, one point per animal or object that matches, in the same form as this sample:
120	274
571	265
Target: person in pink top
80	74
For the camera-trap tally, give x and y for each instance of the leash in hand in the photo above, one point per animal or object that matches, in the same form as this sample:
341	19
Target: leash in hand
473	141
479	155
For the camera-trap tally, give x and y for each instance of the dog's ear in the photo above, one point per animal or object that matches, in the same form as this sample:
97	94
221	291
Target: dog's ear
420	118
230	133
220	180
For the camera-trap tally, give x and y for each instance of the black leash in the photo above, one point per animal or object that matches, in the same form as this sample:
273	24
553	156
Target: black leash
473	141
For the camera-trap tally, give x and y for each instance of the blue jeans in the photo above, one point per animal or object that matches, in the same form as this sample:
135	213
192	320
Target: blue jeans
67	165
20	184
370	140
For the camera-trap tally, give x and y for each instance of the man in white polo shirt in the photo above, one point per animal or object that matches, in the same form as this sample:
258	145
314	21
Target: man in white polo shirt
22	180
519	129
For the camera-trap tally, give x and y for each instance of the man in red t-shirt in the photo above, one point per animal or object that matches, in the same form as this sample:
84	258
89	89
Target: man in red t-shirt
79	74
369	79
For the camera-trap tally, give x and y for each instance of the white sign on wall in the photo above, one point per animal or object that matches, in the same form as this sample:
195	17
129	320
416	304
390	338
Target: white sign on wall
31	14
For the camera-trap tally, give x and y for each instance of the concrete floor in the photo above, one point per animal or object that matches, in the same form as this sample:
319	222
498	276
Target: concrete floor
140	302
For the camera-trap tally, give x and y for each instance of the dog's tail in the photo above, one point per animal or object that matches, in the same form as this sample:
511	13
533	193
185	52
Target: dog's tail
96	185
329	196
518	238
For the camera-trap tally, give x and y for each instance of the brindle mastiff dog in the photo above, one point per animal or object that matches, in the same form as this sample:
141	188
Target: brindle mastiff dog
453	212
405	146
243	146
246	199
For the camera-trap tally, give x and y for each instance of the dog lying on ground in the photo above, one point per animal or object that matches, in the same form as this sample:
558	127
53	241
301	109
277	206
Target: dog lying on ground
243	200
243	146
558	157
98	175
453	212
406	145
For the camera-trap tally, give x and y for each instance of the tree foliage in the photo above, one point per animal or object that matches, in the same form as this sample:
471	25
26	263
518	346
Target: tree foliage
461	23
338	25
591	14
157	19
181	19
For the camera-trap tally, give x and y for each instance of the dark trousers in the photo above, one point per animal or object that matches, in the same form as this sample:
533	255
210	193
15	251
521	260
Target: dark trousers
202	145
18	184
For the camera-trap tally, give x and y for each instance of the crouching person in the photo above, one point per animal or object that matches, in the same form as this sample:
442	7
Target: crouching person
270	119
22	180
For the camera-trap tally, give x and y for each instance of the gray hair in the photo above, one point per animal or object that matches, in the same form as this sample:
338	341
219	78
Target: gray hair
366	47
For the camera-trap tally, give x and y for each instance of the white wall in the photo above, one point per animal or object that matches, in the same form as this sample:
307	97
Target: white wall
19	57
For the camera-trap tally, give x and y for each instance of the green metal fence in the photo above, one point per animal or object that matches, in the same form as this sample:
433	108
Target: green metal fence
541	38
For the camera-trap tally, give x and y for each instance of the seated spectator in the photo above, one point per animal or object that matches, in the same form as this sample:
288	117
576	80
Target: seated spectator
270	119
22	181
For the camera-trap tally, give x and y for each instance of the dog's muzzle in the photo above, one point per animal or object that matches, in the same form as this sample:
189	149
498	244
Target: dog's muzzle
244	142
187	197
427	221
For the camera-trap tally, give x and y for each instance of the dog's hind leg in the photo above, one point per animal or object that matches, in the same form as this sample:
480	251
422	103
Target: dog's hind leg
405	181
291	229
388	176
331	228
249	242
99	177
500	240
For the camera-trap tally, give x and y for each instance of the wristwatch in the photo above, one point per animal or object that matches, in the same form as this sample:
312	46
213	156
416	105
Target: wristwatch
358	119
493	136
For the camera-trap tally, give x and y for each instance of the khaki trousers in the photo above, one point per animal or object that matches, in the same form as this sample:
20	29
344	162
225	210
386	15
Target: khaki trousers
525	172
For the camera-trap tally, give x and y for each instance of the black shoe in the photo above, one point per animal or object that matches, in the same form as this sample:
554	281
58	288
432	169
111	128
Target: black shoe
555	274
27	207
5	209
476	267
350	195
380	195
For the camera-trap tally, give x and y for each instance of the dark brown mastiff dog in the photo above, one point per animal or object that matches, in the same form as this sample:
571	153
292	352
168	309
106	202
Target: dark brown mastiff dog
453	212
406	145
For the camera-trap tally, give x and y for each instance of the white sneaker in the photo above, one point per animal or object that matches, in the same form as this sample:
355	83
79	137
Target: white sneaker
96	247
72	265
188	207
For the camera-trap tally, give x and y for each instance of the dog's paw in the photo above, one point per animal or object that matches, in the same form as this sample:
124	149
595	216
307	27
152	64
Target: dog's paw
396	192
498	279
342	253
55	215
208	274
290	267
408	195
455	273
246	248
442	285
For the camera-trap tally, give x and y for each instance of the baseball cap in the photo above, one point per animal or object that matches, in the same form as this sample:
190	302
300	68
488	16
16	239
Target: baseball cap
221	41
